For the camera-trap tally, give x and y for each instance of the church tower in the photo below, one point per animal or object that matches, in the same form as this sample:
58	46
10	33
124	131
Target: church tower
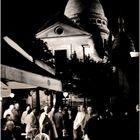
123	48
88	14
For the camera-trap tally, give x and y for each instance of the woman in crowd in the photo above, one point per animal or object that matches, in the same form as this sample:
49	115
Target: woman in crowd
32	124
24	117
79	123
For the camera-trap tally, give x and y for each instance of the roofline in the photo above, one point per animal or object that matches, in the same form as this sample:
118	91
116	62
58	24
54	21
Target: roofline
56	24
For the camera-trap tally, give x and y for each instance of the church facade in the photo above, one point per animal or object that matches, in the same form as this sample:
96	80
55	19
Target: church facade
86	30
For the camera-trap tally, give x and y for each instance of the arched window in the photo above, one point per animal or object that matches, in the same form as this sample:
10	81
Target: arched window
103	22
99	21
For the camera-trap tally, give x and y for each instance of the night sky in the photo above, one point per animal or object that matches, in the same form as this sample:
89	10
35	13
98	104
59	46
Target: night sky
22	18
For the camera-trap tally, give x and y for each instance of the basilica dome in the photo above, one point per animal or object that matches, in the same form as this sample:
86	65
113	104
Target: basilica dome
90	11
76	7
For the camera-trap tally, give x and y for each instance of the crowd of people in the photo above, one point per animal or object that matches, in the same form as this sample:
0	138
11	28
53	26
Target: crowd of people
85	123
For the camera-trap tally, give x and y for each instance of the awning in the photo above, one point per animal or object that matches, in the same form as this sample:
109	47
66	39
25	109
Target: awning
5	90
14	75
18	85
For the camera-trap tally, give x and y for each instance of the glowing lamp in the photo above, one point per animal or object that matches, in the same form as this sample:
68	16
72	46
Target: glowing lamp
12	95
65	94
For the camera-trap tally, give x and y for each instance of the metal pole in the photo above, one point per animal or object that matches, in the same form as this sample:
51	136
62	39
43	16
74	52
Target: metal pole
37	100
65	101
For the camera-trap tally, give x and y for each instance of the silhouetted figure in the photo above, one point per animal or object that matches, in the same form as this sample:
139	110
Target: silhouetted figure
92	128
58	120
71	120
65	123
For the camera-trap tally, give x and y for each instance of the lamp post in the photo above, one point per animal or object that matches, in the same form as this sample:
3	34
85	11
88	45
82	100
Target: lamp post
65	94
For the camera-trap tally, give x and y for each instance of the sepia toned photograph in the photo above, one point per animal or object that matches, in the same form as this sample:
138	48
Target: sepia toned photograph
69	70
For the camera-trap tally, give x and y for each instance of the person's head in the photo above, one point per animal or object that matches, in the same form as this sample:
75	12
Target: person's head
46	109
90	110
42	136
60	109
11	107
82	108
9	125
16	106
28	108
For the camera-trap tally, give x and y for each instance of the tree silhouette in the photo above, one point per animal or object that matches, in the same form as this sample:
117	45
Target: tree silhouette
41	52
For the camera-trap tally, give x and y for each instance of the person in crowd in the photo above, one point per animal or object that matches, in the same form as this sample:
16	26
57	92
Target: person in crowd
32	124
24	117
92	127
10	131
41	136
90	113
71	119
17	114
7	133
79	123
46	123
65	132
9	111
58	120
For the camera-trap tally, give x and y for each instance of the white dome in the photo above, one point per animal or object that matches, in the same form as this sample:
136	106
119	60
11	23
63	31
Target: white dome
75	7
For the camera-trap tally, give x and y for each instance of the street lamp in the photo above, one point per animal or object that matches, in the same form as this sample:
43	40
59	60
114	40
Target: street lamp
65	94
12	95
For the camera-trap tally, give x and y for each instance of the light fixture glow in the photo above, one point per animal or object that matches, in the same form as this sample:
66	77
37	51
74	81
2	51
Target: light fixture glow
65	94
134	54
12	95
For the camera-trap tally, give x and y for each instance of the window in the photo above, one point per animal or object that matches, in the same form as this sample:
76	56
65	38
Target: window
98	21
59	30
103	22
